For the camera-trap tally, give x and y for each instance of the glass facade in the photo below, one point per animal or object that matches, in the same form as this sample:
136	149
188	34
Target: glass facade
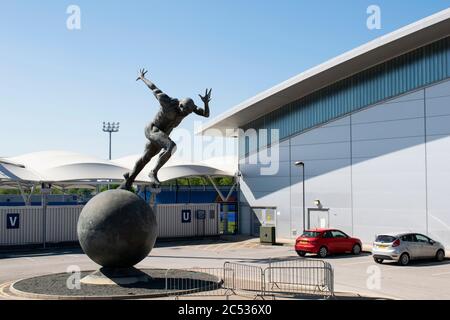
410	71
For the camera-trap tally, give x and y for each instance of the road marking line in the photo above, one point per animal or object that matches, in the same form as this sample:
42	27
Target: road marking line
8	296
440	274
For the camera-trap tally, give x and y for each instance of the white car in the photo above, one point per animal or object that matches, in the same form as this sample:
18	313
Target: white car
405	247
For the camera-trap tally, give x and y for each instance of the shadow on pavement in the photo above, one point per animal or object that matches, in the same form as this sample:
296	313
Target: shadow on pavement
164	243
419	263
338	256
74	248
40	252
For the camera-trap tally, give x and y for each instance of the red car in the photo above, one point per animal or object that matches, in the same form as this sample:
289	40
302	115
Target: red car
326	241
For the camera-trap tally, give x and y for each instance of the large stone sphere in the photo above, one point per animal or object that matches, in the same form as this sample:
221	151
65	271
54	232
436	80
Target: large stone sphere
117	229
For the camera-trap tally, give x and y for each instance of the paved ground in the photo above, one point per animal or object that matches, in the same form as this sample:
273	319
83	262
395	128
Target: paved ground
424	280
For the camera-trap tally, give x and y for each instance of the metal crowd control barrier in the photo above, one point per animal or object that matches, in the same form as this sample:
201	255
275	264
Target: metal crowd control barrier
199	282
300	276
292	277
247	278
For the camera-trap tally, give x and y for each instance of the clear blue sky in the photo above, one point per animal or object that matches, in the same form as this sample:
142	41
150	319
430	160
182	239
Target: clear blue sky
57	86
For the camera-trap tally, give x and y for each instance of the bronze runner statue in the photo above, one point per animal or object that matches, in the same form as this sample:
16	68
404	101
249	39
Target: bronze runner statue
169	116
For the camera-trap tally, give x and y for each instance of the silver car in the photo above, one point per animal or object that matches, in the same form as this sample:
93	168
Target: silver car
405	247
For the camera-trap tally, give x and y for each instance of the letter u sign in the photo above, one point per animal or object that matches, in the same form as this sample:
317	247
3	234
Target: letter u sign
186	216
12	221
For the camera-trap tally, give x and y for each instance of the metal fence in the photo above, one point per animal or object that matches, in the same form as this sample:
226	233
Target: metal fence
199	282
246	278
187	220
300	276
34	225
41	225
293	277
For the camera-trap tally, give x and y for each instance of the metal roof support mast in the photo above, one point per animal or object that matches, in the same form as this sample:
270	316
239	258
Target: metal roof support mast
222	197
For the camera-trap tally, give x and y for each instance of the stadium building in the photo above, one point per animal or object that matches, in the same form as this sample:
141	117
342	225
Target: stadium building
372	127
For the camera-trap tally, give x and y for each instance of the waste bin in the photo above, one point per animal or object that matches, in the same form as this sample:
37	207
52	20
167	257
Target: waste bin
267	234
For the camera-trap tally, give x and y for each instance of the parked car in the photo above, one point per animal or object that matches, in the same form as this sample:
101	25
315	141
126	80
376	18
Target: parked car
326	241
404	247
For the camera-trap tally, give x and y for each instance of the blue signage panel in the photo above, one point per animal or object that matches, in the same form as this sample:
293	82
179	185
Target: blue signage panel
186	216
12	221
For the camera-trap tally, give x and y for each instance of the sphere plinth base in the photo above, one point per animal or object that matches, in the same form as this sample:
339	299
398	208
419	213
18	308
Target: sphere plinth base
126	283
116	276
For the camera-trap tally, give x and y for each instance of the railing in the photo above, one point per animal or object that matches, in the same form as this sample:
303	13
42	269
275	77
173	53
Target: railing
300	276
294	277
199	282
247	278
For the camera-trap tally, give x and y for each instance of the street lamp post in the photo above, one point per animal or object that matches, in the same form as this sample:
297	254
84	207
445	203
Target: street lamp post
302	164
110	128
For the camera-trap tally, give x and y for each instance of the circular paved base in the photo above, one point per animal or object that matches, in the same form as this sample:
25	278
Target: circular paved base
54	286
116	276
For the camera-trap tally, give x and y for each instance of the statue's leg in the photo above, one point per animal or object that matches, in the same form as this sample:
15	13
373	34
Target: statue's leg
168	146
151	149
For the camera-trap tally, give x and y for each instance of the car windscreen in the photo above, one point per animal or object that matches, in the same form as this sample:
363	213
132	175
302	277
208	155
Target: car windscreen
385	239
310	234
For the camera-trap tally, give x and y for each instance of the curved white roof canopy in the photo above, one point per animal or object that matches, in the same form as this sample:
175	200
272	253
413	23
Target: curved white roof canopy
74	169
180	168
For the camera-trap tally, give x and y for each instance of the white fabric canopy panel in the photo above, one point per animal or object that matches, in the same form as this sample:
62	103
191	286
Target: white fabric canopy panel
68	168
178	167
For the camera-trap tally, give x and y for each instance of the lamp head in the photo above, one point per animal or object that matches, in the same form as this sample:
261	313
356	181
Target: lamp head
111	127
318	203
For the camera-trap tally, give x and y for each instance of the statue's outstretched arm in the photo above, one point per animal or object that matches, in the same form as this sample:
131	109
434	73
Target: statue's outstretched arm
206	99
156	91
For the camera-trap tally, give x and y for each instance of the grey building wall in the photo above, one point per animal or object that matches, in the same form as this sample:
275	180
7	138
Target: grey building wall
381	169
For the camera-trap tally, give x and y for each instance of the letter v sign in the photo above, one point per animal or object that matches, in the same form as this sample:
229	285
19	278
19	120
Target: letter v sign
12	221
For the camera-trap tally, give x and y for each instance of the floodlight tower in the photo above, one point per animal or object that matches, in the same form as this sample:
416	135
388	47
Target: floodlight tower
110	128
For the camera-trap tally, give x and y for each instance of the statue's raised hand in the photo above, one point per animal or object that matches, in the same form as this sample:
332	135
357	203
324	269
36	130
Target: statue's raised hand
207	97
142	74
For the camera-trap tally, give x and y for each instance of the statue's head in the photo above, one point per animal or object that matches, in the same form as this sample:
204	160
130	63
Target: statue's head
187	104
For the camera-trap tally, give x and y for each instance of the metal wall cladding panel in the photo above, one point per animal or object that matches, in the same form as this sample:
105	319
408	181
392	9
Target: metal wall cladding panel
255	170
61	223
407	72
438	125
407	128
30	230
438	100
170	225
438	183
267	184
407	106
448	57
330	134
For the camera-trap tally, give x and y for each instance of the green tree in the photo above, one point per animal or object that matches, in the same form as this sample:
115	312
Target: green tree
9	191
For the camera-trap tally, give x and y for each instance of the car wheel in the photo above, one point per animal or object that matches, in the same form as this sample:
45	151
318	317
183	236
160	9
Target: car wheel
323	252
356	250
404	259
440	255
378	260
301	253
